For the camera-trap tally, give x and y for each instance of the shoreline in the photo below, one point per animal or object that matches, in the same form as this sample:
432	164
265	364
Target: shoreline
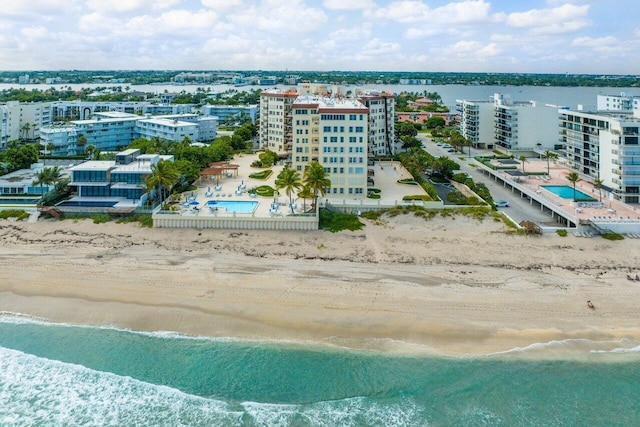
400	287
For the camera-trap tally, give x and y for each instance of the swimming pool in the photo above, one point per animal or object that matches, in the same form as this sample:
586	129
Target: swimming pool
566	192
237	206
88	204
18	201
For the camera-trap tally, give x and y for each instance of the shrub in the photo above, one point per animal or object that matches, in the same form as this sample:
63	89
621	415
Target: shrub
408	181
145	220
262	174
264	190
337	221
374	190
561	233
18	214
612	236
100	218
423	197
373	196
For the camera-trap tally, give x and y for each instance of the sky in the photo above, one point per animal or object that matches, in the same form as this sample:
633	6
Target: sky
528	36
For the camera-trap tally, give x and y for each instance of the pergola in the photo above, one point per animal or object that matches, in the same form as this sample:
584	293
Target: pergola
218	168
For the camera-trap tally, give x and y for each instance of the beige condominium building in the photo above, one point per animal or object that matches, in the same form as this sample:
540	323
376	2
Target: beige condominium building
275	120
334	131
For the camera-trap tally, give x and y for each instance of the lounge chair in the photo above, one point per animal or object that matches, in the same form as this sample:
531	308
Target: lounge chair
208	194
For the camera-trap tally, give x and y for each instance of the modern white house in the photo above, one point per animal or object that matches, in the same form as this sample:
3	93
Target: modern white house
117	183
334	131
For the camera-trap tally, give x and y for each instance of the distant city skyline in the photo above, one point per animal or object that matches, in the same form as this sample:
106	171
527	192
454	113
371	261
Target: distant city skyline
552	36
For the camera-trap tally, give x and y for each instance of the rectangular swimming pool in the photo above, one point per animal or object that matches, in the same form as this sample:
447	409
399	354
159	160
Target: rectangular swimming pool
566	192
238	206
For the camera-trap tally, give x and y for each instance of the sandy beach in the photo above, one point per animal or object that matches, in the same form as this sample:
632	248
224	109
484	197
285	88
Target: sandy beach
450	285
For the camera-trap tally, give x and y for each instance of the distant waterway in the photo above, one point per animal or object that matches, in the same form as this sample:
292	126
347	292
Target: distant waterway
563	96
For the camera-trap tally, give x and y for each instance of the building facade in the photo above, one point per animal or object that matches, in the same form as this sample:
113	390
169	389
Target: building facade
275	120
382	139
477	122
520	126
227	113
333	130
604	145
122	179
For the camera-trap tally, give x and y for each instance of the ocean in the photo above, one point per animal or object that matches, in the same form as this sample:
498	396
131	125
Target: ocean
66	375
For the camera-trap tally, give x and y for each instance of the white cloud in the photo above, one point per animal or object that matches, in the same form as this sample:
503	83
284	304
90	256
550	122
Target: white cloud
122	6
408	11
348	4
222	6
596	43
283	16
563	19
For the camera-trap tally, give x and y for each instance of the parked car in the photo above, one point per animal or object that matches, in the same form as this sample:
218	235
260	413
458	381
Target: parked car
451	150
502	204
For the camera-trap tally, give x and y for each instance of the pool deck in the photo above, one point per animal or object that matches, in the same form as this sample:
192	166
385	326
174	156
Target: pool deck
603	213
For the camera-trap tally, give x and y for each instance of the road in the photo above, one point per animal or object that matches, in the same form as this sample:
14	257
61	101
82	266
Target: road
519	209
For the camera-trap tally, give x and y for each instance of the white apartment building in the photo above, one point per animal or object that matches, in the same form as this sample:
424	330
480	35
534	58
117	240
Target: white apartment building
382	140
275	120
605	145
525	126
169	129
333	130
622	102
229	112
60	140
84	110
477	122
22	120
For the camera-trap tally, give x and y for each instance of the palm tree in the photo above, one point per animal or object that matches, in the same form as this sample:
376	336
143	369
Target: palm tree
289	179
574	178
165	175
549	155
317	179
597	183
41	179
522	159
54	175
305	194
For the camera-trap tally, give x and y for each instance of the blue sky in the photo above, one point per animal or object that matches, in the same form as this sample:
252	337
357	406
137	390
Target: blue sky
555	36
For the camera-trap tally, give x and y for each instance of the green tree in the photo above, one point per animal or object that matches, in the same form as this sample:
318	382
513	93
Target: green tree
573	178
92	152
81	140
317	179
406	128
164	175
548	154
21	156
597	183
289	180
268	158
444	166
434	122
522	159
305	194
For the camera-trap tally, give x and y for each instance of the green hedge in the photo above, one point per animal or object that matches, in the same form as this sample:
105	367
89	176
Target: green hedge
423	197
262	174
408	181
264	190
373	196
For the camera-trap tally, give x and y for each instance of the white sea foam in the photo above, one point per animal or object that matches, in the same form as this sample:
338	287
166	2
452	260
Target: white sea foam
37	391
571	348
355	411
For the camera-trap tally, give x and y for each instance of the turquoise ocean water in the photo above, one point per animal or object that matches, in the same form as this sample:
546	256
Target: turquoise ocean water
52	374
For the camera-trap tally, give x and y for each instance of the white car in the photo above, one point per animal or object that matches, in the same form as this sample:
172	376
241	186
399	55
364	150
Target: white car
502	204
